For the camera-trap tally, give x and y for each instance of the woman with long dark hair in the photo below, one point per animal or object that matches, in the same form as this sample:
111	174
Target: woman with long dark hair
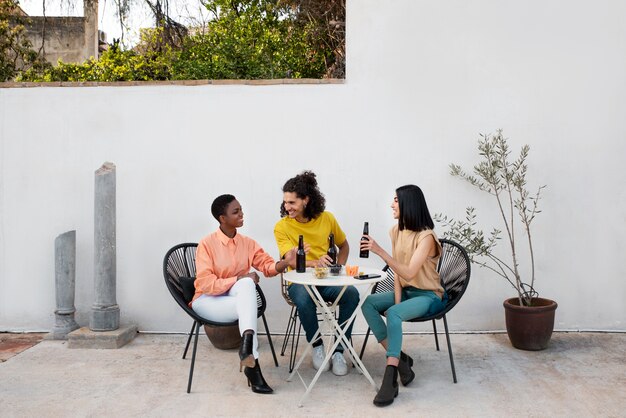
417	289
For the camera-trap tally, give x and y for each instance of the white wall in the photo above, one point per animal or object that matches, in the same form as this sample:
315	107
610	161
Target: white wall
424	79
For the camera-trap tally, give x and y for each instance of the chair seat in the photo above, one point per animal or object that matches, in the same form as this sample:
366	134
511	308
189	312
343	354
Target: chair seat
437	315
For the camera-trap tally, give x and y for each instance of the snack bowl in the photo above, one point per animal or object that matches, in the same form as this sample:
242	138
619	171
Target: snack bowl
320	272
335	270
352	270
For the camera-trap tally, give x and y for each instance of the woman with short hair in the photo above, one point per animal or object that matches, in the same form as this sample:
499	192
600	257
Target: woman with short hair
225	286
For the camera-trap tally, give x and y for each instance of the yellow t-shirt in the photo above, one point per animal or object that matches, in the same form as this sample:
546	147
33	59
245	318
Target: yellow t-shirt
287	232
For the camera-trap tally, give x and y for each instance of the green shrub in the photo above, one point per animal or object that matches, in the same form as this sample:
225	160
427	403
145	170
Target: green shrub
113	65
249	39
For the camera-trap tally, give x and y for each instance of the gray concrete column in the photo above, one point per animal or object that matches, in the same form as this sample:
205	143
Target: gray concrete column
90	14
65	284
105	313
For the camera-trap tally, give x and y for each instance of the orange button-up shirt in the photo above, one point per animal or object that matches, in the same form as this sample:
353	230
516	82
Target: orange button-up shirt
220	260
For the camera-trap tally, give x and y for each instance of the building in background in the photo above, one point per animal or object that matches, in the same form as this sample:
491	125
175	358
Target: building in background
72	39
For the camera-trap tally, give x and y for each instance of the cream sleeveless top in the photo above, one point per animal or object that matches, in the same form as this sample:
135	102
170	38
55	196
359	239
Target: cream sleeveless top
403	244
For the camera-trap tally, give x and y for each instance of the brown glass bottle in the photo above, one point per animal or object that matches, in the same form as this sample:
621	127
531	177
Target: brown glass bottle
332	250
301	256
366	231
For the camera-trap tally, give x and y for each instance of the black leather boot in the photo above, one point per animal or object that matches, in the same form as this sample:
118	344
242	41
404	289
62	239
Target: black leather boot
245	351
256	380
389	388
404	369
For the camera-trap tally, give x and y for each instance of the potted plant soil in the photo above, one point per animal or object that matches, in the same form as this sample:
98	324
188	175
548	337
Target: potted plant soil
529	318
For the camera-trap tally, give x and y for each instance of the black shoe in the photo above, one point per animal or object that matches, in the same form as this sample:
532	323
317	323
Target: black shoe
245	351
404	369
389	388
256	380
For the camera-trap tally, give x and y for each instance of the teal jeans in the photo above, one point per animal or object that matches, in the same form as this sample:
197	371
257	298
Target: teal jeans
414	304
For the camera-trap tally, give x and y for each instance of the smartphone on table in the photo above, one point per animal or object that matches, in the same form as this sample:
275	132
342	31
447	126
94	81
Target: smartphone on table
366	276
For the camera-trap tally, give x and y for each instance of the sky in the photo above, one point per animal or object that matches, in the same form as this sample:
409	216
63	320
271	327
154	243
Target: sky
186	12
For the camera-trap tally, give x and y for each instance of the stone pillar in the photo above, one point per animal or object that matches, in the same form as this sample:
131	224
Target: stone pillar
65	284
105	313
90	14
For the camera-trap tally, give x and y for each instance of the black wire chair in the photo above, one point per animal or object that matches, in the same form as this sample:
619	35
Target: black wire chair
179	271
454	272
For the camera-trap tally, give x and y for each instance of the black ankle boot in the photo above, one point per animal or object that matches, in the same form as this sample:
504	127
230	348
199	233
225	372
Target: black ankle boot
256	380
389	388
245	351
404	369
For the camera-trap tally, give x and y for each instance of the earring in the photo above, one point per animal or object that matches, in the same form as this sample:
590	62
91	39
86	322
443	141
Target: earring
304	205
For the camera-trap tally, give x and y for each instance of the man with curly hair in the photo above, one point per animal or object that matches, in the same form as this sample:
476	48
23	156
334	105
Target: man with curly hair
303	213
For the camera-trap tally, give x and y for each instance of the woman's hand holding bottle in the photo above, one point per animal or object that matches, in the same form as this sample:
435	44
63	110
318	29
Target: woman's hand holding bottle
370	245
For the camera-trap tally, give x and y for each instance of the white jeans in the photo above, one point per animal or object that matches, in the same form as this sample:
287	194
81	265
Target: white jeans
239	303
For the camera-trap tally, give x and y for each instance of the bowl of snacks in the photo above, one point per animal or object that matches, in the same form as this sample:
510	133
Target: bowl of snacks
320	272
352	270
335	269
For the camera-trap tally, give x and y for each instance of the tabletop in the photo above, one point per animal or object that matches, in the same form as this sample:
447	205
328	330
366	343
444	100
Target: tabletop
308	278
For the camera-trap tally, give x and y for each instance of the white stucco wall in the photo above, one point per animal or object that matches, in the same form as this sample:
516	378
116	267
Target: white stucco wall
424	79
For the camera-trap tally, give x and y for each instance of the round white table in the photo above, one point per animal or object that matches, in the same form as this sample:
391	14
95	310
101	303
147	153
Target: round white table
310	282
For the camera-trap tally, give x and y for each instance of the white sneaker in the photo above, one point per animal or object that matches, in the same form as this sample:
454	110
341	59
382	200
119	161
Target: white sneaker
318	356
340	368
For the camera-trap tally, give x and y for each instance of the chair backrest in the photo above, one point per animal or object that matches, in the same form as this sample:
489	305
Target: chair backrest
385	285
180	262
284	290
454	270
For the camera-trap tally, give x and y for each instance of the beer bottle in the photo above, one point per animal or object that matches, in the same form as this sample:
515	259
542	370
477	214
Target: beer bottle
366	230
301	256
332	250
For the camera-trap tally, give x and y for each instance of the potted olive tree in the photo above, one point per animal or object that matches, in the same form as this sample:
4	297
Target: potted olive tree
529	318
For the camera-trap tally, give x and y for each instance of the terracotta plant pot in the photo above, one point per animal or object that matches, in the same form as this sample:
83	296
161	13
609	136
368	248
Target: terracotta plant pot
530	327
224	338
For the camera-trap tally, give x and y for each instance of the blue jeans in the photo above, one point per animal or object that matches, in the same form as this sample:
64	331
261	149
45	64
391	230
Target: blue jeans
308	311
414	304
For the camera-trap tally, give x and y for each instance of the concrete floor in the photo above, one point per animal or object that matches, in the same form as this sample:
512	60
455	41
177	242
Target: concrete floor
579	375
